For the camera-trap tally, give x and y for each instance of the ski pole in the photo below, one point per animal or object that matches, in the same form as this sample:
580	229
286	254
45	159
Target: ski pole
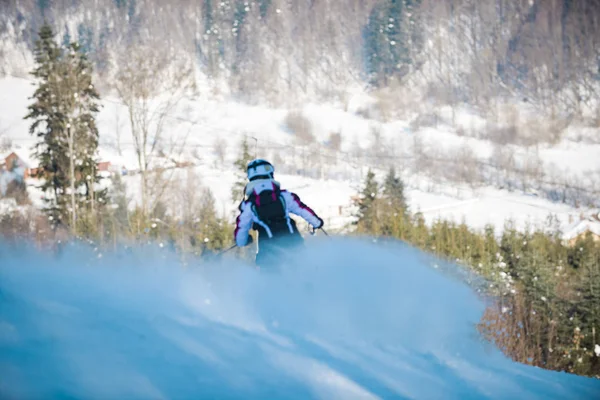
226	250
314	231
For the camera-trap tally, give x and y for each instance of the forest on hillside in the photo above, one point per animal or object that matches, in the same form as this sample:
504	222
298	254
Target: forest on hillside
544	52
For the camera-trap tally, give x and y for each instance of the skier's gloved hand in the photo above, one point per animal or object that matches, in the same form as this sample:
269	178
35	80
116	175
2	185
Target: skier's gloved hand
321	223
314	229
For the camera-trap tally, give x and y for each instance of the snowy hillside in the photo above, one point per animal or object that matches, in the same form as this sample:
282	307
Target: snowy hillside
200	127
354	320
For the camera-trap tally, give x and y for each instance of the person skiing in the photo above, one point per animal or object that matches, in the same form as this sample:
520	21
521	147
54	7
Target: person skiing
266	208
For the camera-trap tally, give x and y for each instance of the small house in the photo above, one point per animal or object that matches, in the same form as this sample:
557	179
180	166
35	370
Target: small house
586	224
104	166
13	161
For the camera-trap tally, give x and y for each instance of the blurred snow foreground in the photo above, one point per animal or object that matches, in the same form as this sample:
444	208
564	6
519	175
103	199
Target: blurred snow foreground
351	319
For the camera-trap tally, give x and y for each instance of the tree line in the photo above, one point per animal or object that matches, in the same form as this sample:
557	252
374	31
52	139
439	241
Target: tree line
546	293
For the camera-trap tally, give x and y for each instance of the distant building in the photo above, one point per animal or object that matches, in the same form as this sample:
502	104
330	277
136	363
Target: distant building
104	166
586	224
12	161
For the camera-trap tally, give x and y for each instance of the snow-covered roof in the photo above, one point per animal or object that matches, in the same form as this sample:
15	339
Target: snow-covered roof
589	224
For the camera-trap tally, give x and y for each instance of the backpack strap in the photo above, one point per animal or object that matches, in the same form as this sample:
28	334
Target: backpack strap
287	214
261	223
254	202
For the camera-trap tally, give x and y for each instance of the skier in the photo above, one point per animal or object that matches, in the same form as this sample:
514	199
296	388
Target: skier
266	208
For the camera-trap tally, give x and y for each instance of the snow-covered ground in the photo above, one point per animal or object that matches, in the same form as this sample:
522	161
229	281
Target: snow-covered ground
355	320
196	126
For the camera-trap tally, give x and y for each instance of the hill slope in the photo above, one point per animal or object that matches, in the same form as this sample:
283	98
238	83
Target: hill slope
348	320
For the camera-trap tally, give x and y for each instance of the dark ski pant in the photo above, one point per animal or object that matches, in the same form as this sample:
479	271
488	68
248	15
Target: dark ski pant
274	253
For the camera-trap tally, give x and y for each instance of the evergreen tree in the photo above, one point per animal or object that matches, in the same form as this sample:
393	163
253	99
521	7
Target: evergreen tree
63	119
85	37
393	190
391	33
83	125
240	15
237	192
374	40
367	209
78	104
393	207
213	36
43	5
264	7
419	234
66	37
119	215
48	126
211	231
588	286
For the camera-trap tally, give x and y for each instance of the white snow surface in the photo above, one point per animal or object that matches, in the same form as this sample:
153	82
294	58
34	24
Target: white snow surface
347	319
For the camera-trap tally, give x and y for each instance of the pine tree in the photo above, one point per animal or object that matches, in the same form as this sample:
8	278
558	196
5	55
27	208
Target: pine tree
119	215
419	234
214	47
374	40
78	104
391	33
393	211
264	7
48	126
63	113
83	125
85	37
588	286
211	231
367	210
237	192
393	190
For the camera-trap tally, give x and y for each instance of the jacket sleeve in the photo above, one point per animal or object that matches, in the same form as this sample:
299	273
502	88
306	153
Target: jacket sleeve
243	223
296	206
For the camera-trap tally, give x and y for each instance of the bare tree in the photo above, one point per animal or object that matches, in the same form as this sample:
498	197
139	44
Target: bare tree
300	126
335	142
466	168
118	130
151	83
220	148
5	141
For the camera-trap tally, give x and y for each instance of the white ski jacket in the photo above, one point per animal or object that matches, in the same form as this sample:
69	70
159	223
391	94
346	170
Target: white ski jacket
293	205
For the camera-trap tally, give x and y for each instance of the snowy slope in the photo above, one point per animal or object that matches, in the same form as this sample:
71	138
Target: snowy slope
198	124
349	320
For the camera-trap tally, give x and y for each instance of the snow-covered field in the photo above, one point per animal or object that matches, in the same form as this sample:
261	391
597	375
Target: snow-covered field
192	130
355	320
